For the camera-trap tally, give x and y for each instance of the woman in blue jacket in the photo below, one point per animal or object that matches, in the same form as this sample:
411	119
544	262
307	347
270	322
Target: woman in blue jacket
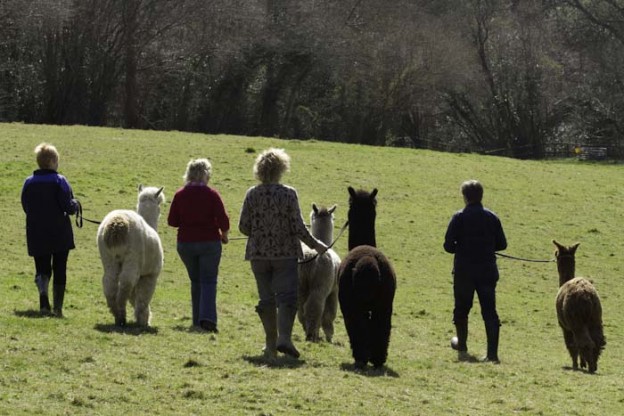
474	235
48	201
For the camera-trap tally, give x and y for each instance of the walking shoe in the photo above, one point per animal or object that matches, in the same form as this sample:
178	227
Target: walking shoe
209	326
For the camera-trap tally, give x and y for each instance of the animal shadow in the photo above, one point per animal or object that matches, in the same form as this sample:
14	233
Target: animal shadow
279	362
580	370
368	371
129	329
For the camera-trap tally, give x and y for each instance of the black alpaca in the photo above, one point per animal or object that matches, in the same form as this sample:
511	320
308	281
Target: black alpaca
367	284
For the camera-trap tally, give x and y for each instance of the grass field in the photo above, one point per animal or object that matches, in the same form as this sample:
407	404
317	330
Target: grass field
83	365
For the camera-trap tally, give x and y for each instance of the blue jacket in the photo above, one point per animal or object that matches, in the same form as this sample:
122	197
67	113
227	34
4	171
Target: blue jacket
48	201
474	234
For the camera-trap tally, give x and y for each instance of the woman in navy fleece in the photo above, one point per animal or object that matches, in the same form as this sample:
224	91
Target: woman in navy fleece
48	201
474	235
203	225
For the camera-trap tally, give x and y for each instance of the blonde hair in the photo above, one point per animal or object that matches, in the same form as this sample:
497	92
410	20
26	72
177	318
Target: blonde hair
47	156
271	165
198	170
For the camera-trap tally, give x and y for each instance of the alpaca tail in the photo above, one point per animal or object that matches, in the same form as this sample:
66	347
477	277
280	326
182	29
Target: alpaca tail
116	231
366	278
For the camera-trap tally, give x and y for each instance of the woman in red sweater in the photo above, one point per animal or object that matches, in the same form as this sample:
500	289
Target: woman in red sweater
203	225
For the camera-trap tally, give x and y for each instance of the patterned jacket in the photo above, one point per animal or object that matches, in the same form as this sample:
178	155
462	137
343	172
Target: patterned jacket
272	220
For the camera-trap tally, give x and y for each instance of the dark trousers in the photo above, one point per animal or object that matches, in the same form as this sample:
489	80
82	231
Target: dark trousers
481	279
53	265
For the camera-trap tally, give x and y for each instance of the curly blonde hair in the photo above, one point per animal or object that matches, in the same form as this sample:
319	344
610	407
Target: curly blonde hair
271	165
47	156
198	170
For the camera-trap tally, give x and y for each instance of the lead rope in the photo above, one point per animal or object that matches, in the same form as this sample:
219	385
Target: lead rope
80	218
521	259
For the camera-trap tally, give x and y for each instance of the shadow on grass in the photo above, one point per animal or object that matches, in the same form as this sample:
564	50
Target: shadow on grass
369	371
129	329
580	370
279	362
190	329
32	313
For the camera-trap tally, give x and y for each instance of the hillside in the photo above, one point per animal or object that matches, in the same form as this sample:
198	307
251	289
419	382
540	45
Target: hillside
83	365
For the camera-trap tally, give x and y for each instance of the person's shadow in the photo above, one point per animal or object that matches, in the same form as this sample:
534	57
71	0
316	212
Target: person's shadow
32	314
369	371
128	329
279	362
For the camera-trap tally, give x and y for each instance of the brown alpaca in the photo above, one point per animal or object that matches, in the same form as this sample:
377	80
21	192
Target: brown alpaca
579	312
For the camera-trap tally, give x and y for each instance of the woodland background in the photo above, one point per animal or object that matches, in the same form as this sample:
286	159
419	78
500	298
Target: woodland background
521	78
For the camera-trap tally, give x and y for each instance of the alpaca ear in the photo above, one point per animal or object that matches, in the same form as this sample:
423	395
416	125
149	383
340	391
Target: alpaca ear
574	247
332	209
159	191
140	187
352	192
314	208
374	193
559	246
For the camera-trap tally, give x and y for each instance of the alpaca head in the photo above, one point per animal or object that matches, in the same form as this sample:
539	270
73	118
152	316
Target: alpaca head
565	261
362	213
150	200
322	223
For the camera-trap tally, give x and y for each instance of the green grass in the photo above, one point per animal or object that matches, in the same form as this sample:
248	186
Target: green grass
83	365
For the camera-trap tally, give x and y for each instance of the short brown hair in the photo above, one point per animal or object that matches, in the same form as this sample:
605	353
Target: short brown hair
47	155
472	190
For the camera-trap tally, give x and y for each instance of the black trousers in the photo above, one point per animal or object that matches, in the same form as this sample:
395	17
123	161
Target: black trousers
481	279
53	265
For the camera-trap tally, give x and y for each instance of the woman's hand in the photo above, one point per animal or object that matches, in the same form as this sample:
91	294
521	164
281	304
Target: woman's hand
224	237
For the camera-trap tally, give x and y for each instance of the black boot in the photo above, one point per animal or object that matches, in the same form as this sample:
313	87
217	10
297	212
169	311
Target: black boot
459	342
42	281
59	296
492	331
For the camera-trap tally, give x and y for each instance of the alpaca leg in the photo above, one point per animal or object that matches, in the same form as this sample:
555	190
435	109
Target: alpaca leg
381	324
356	323
329	315
143	293
110	284
597	336
302	297
313	312
127	281
572	349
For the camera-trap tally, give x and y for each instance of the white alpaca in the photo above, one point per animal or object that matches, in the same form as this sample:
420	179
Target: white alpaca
318	285
132	256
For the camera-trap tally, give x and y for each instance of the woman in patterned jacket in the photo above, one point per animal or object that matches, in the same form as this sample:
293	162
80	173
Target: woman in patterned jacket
271	218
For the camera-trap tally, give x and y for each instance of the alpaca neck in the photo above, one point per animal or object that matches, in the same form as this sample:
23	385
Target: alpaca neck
565	267
150	216
361	235
323	232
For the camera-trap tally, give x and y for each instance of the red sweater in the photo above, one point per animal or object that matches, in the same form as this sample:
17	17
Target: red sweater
198	213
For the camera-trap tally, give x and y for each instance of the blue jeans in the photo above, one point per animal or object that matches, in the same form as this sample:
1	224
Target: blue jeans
277	282
202	264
